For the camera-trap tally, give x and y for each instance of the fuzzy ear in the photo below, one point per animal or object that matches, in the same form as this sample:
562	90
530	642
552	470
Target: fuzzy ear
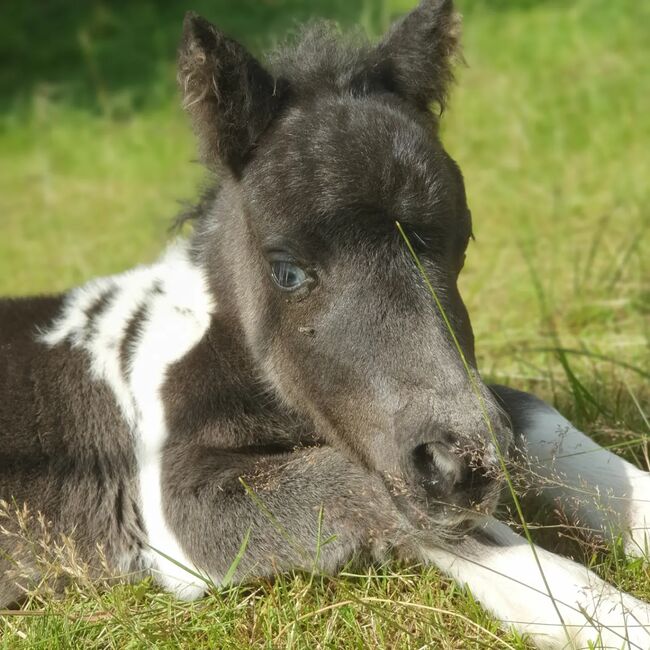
416	56
230	97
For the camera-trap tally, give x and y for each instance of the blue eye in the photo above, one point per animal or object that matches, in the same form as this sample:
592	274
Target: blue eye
287	275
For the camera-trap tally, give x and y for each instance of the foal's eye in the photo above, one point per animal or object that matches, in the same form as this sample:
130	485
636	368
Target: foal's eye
288	275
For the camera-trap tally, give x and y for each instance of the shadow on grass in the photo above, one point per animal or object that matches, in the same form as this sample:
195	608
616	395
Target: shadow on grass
114	56
103	53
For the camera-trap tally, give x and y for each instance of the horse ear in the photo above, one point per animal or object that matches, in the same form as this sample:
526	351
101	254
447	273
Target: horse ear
230	97
416	56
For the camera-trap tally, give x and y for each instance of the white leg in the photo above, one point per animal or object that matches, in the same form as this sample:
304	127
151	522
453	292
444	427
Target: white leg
605	491
503	573
596	487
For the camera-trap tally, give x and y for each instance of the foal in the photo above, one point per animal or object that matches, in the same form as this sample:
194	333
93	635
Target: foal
301	368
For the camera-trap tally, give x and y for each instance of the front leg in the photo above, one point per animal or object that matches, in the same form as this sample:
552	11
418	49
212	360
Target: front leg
558	603
314	508
304	509
592	485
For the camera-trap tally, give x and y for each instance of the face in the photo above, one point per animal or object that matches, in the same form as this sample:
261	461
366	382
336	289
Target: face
355	324
341	317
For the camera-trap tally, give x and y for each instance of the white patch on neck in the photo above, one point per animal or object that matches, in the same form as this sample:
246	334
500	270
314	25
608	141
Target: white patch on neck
177	312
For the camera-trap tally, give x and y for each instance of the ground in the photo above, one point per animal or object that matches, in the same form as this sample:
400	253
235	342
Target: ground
550	123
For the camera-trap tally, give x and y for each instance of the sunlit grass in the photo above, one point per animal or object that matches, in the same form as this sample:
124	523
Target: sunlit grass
551	126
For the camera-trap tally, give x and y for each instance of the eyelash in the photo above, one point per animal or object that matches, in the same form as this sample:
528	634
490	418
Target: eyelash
284	270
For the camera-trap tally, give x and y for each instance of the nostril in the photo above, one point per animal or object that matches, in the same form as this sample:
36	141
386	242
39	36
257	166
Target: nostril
434	461
453	475
422	457
426	470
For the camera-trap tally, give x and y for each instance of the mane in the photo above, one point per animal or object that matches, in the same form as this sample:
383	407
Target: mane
193	211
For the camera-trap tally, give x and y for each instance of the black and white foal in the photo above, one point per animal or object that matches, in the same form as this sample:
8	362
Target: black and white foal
289	375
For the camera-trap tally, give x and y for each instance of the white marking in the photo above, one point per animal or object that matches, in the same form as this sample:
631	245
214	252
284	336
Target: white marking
507	580
606	492
177	317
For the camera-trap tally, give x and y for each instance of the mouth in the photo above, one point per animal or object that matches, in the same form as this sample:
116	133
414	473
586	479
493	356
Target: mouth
452	511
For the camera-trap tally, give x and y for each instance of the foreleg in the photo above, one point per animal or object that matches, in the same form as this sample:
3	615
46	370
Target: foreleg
592	485
268	512
558	603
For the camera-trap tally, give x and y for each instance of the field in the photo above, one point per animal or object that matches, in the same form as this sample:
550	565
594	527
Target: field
550	123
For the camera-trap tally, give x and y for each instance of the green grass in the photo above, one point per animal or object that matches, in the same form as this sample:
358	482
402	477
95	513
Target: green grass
551	125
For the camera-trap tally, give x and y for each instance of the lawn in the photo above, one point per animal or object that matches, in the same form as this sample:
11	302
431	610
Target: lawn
550	123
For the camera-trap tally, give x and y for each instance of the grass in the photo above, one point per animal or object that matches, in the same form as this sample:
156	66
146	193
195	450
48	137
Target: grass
551	125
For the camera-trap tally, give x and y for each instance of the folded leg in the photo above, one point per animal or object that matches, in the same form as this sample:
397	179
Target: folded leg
591	484
302	509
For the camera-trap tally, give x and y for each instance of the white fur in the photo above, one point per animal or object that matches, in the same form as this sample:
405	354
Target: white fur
506	578
604	491
177	317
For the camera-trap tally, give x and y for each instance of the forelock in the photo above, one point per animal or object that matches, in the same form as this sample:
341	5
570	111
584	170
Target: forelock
320	58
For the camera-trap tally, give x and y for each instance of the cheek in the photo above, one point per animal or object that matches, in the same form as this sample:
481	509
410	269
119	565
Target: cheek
260	309
311	356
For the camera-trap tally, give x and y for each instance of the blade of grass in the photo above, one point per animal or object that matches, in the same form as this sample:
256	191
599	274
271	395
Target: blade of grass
495	442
